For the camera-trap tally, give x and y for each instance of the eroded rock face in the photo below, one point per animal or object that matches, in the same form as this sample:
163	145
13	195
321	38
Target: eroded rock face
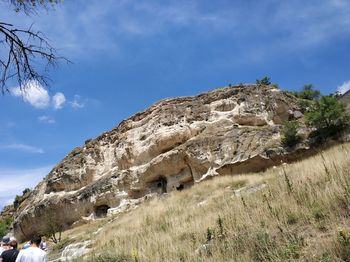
170	146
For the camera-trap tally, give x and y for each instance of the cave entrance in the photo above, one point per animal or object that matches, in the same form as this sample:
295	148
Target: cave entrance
180	187
101	211
162	184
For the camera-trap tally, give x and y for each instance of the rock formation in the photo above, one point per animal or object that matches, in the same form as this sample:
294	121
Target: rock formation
170	146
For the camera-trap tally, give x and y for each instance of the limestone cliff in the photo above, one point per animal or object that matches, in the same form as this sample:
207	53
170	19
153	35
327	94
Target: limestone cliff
169	146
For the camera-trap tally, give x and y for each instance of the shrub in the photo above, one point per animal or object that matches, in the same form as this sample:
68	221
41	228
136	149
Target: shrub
264	81
309	93
328	116
305	105
25	191
19	199
289	133
5	224
343	245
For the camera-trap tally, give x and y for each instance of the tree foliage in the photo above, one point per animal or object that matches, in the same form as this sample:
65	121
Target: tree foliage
25	51
29	6
264	81
5	224
309	93
328	116
290	133
20	198
52	227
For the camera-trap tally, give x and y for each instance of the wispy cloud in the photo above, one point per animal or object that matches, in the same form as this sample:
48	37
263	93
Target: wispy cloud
342	89
46	119
77	103
19	180
58	100
23	148
105	27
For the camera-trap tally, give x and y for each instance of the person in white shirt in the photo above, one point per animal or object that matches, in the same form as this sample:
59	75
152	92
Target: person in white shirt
32	253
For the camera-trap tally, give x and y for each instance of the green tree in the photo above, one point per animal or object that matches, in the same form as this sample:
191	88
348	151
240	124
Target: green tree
328	116
264	81
52	227
308	92
290	133
26	190
25	51
5	224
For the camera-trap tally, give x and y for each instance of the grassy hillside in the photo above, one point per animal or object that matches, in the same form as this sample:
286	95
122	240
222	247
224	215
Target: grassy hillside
301	214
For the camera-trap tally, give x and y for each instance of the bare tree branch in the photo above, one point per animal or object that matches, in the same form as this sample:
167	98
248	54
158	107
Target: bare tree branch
31	6
22	48
25	54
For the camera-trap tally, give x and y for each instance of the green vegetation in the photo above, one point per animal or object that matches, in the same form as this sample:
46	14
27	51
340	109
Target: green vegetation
20	198
289	133
5	224
305	105
264	81
328	116
52	228
307	96
309	93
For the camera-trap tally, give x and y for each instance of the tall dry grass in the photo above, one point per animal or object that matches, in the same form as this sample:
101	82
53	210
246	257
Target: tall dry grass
302	214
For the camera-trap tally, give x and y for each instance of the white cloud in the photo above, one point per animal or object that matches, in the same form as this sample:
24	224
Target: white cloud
76	103
20	179
344	87
46	119
22	147
33	93
37	96
58	100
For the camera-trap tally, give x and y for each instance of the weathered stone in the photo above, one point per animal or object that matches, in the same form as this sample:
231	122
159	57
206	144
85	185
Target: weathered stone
170	146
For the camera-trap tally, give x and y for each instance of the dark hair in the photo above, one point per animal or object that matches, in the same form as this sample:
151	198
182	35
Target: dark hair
36	240
13	244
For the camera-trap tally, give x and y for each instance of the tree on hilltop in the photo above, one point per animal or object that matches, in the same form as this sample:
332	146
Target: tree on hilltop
264	81
308	92
24	49
328	116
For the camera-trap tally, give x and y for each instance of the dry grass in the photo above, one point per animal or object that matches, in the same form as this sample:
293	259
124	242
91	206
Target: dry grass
302	214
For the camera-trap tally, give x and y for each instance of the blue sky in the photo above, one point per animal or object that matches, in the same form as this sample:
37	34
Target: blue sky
129	54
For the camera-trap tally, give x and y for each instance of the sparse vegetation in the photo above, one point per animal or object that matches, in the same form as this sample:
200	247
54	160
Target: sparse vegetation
52	228
300	215
328	116
264	81
290	133
305	105
5	224
308	92
20	198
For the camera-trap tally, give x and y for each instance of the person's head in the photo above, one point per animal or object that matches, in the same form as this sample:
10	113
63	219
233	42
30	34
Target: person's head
13	244
35	240
5	241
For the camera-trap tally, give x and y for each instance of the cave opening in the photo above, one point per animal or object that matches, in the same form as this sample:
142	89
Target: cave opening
162	184
180	187
101	211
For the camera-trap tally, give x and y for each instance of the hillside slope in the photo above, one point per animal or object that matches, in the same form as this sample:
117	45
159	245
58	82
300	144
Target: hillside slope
292	212
170	146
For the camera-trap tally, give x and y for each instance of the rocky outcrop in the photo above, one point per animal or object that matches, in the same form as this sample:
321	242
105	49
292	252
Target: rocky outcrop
170	146
345	98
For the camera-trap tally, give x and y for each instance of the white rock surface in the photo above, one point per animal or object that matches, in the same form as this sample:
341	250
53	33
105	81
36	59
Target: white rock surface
75	250
170	146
